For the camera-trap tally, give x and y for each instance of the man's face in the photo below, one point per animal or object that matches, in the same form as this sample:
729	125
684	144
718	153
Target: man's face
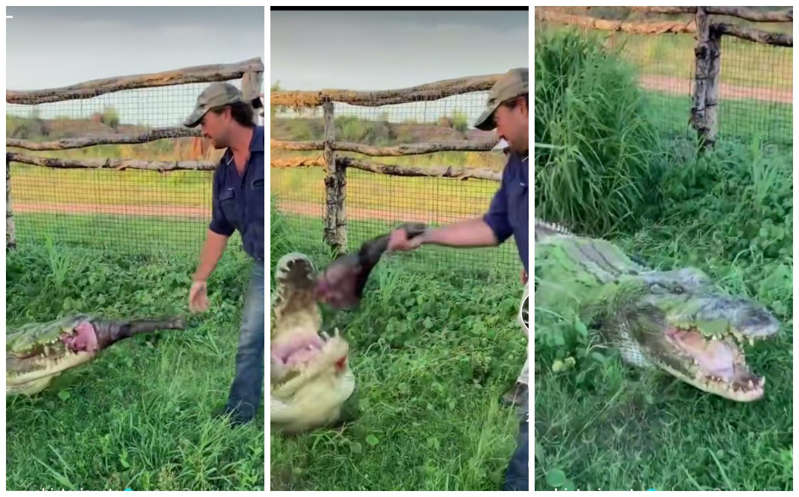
216	127
512	125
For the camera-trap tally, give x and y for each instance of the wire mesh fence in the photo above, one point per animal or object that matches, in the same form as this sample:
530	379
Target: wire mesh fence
132	211
756	83
377	202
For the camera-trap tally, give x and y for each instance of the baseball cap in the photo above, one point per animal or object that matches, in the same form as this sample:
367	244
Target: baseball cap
215	95
512	84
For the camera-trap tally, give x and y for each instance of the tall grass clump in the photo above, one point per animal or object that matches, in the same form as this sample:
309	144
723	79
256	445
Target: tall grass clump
595	143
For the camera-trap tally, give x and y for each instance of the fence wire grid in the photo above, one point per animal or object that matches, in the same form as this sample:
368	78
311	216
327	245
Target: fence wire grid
377	202
756	80
130	211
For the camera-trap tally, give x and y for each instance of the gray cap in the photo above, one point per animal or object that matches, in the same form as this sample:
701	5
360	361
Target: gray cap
512	84
216	95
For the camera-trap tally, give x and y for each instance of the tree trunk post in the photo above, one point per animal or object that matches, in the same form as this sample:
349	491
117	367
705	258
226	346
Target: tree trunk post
335	233
704	112
11	239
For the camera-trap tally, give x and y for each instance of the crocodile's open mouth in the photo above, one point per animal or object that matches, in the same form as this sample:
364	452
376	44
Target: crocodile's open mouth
298	351
302	350
719	363
82	338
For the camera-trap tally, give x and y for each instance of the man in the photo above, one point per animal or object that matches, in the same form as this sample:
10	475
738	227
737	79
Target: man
507	111
238	204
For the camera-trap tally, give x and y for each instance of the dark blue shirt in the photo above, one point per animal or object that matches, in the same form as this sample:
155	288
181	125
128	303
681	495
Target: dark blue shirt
509	211
238	202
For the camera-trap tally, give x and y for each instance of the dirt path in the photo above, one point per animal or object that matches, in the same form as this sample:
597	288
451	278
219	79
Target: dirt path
122	210
683	87
361	214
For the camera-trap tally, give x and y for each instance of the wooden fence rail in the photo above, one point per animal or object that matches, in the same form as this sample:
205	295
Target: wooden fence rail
391	169
421	93
393	151
117	139
117	164
707	51
88	89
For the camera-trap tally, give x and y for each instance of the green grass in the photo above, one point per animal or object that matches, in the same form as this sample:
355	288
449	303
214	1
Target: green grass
604	425
139	416
117	234
432	350
594	139
746	63
738	119
31	184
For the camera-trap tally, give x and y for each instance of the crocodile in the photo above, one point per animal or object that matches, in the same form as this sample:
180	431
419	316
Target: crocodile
38	352
310	377
311	383
676	321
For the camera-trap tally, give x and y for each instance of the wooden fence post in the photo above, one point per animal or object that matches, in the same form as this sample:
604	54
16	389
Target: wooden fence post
704	112
335	233
11	239
251	82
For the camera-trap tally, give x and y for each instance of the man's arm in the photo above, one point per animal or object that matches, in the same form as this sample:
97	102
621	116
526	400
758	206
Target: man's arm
213	248
488	230
471	233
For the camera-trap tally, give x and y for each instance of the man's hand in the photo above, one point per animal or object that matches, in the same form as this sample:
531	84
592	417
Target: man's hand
399	240
198	297
524	276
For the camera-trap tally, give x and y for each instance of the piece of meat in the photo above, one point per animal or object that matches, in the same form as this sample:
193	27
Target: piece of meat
341	284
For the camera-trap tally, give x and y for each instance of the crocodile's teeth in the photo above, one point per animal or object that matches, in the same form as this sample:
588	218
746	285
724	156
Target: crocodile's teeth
750	384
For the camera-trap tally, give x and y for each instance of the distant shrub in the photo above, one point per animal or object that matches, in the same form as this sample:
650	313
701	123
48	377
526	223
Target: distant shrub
110	117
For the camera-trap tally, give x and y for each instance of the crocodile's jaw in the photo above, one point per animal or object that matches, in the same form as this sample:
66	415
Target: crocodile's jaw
301	361
700	340
33	374
714	365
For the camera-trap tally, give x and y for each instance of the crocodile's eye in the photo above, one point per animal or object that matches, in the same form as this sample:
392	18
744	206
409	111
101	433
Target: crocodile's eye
678	289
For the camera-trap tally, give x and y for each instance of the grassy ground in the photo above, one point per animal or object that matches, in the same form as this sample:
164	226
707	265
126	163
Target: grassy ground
139	416
738	119
432	350
119	234
603	425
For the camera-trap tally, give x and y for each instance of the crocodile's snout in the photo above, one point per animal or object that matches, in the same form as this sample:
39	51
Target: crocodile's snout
758	323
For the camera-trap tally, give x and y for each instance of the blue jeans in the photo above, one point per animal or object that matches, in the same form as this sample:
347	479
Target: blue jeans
517	476
245	392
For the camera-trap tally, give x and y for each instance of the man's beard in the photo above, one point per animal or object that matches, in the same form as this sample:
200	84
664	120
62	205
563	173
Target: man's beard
219	143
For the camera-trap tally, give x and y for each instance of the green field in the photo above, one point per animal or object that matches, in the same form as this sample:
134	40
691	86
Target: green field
139	416
433	347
